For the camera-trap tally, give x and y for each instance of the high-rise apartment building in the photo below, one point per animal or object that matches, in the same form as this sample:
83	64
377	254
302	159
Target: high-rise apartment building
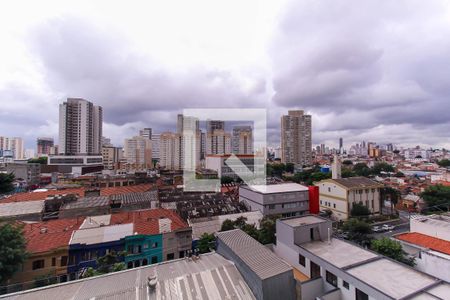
111	157
80	127
186	122
138	152
44	145
296	140
146	132
14	144
242	142
212	125
218	142
170	150
155	146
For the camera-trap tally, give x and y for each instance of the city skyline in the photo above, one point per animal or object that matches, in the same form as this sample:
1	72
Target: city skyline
383	82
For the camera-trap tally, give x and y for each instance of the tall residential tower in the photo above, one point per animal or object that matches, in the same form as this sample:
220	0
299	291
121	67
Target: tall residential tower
296	140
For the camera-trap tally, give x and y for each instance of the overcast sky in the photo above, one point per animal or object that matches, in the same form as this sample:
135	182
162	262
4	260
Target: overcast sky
365	70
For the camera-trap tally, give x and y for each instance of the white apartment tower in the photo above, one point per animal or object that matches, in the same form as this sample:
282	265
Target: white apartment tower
14	144
296	141
80	127
242	142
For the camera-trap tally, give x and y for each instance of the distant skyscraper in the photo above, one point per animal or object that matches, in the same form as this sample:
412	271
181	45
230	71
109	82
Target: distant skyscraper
138	152
218	142
80	127
296	140
170	156
187	122
341	145
44	145
155	146
212	125
242	142
146	132
14	144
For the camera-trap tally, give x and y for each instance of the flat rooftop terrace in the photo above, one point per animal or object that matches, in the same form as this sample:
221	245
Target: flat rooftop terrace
339	253
303	220
276	188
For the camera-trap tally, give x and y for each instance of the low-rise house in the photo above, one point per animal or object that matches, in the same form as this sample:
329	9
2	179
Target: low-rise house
339	195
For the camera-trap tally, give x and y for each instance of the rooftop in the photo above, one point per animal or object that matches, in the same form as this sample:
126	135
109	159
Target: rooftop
96	235
16	209
356	182
303	220
392	278
338	252
256	256
426	241
277	188
210	277
33	196
49	235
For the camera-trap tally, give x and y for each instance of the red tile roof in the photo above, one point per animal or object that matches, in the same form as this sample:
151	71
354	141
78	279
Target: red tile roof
426	241
33	196
147	221
49	235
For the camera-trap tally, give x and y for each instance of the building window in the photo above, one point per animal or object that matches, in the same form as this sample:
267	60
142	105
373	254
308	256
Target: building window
331	278
329	189
170	256
53	261
373	206
38	264
334	205
154	259
361	295
301	260
345	284
145	246
271	206
155	245
63	261
181	254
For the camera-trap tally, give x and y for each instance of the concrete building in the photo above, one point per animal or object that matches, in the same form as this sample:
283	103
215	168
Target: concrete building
336	168
170	151
286	199
13	144
223	168
30	172
138	153
80	127
429	242
218	142
329	268
187	123
111	157
44	145
146	132
339	195
155	146
242	142
296	140
212	125
268	276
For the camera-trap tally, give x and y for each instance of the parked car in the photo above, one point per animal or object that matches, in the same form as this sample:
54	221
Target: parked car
388	227
377	229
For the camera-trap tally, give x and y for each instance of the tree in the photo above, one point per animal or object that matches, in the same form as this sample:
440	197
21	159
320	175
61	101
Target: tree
358	231
382	167
226	180
392	249
44	280
347	162
391	194
267	231
359	210
345	173
6	183
444	163
227	225
107	262
278	169
206	242
290	167
41	160
437	197
361	169
12	250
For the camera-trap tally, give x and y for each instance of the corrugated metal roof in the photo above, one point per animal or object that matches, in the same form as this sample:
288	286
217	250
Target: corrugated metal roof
210	277
86	202
256	256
